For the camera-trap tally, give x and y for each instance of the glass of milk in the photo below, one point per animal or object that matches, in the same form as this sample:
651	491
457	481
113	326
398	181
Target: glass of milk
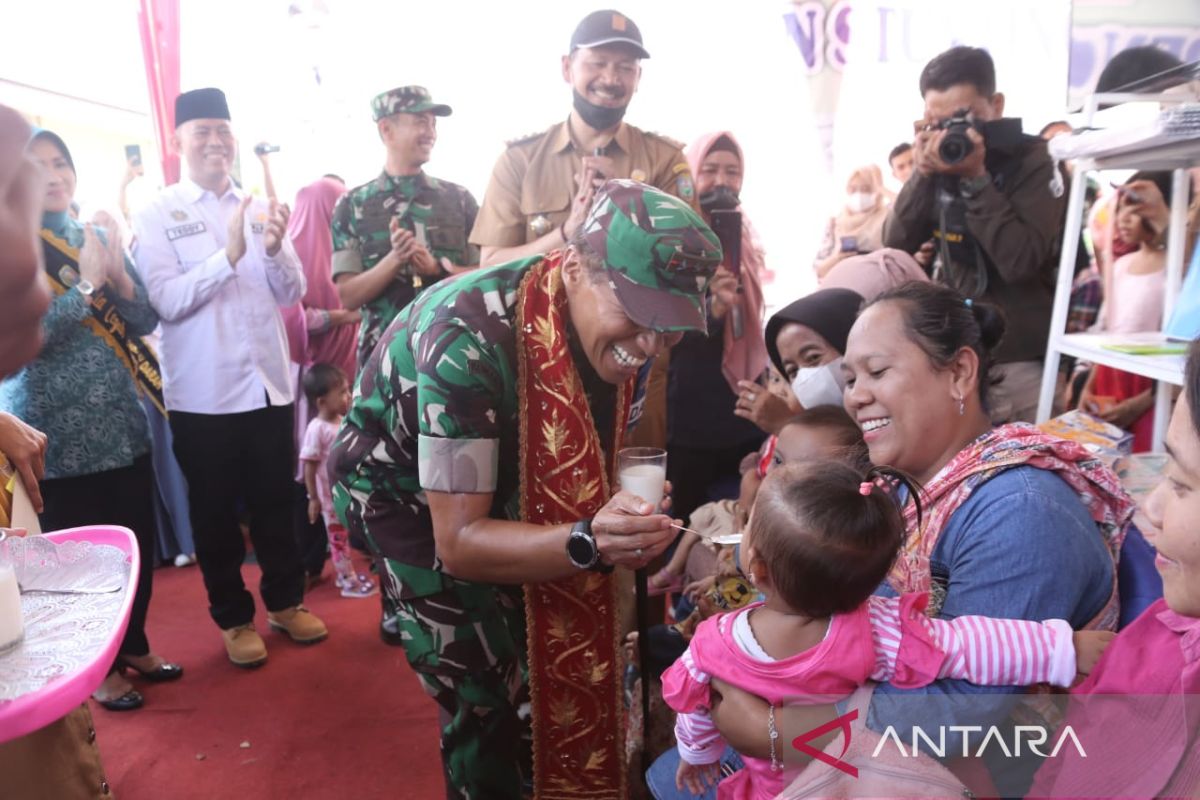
12	628
643	472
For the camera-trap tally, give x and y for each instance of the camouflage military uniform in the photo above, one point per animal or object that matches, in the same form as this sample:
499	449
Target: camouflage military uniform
436	408
440	214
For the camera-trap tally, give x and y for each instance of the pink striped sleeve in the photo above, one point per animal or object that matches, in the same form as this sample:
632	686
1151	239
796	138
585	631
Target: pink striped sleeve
982	650
1005	652
699	741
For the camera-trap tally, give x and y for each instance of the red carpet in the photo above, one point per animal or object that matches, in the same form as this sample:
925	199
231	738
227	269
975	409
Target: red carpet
345	718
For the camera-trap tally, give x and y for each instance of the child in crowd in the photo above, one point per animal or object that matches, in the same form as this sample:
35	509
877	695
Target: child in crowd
820	540
328	390
1133	304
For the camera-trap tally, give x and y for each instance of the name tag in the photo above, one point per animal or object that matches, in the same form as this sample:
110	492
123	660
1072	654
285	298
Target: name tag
191	229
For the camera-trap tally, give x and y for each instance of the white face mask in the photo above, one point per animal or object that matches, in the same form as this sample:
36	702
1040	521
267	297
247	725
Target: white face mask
859	202
819	386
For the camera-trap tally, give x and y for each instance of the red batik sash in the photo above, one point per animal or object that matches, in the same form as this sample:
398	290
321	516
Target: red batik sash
573	629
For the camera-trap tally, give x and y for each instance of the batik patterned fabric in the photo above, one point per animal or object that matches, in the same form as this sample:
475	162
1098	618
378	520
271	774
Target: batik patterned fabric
438	213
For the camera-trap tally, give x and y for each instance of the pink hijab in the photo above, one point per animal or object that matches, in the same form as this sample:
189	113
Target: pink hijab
745	358
874	273
309	228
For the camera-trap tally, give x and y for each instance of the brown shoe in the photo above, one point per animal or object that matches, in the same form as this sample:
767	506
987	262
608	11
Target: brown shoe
245	647
299	623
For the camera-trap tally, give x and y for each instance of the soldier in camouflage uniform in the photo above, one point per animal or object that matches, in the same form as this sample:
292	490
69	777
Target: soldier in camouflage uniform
404	230
425	466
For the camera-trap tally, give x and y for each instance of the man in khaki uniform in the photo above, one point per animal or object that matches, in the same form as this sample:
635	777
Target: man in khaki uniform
542	185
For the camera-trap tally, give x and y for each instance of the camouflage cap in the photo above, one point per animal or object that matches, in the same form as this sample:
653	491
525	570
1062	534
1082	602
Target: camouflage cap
406	100
659	252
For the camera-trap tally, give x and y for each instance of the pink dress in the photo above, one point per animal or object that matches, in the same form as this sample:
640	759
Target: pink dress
886	639
1137	716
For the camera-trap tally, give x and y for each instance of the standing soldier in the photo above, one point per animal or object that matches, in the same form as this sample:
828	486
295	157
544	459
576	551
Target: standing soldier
404	230
542	185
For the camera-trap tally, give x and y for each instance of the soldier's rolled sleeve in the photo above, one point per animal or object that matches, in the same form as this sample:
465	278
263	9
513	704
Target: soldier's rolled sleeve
458	465
500	222
347	247
458	400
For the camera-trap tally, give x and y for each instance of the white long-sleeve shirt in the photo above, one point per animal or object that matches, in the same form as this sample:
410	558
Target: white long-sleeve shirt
224	349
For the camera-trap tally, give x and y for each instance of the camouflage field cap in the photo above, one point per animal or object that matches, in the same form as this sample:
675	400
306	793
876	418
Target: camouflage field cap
659	252
406	100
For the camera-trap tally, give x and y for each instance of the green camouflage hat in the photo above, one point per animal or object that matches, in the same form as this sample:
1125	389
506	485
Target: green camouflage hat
406	100
659	252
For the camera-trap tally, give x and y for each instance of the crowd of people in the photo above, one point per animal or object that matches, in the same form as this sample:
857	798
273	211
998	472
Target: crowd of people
856	504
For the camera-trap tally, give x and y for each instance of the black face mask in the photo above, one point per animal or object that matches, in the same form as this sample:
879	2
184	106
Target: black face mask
721	198
600	118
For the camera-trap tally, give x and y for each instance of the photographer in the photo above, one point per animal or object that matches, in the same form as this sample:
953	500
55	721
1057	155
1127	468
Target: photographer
990	198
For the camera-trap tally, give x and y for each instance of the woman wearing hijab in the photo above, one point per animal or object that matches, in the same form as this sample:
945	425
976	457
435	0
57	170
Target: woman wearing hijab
805	341
859	226
705	440
319	331
874	273
82	391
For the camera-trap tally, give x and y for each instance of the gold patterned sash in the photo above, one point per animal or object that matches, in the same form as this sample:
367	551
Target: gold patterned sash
573	630
62	267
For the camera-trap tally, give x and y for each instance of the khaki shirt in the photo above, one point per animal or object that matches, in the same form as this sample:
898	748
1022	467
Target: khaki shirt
533	182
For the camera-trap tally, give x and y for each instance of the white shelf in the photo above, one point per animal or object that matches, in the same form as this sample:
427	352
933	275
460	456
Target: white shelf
1167	156
1090	347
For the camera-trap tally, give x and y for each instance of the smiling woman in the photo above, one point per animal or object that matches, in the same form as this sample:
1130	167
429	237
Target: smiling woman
1152	669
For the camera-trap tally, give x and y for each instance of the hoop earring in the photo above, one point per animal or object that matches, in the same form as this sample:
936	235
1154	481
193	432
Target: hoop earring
962	406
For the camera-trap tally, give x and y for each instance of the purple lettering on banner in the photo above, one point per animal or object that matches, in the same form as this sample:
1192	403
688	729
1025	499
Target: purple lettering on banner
1083	62
806	25
838	34
883	33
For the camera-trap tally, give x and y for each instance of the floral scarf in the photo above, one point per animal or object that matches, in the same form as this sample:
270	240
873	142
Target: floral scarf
1013	445
573	630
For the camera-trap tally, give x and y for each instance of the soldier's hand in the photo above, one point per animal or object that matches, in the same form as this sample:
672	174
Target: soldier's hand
580	205
235	247
424	262
404	244
629	533
276	227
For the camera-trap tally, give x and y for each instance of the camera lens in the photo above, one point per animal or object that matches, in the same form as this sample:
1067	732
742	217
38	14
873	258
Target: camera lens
955	147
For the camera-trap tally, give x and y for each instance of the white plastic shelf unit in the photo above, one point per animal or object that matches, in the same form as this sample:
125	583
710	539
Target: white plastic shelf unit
1152	153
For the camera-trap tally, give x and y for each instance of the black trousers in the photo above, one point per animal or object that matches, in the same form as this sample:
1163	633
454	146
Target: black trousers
312	542
246	458
123	497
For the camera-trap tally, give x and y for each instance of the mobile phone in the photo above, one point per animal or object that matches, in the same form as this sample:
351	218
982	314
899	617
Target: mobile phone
262	148
133	155
849	244
727	225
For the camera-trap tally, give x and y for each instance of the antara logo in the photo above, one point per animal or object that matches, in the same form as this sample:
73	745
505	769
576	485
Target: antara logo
1037	736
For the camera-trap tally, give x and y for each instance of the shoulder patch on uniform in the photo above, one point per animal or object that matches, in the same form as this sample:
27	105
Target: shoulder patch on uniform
529	137
680	167
664	138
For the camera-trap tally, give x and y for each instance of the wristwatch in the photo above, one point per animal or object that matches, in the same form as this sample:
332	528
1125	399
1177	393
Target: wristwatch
971	187
582	549
85	287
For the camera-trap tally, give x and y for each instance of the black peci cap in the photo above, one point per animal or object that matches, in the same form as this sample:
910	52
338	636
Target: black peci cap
200	104
607	27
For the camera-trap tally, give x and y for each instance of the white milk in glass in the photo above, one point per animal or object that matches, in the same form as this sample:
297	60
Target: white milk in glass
646	481
11	626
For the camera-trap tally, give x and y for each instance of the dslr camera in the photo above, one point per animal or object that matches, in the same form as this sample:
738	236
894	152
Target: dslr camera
955	144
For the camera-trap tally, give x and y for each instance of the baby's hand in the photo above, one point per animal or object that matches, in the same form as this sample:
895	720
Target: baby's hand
314	510
1089	646
696	778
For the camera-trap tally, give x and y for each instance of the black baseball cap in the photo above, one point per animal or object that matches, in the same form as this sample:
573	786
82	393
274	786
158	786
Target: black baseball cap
607	27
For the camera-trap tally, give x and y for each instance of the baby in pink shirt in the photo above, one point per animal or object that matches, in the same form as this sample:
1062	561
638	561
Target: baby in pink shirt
820	540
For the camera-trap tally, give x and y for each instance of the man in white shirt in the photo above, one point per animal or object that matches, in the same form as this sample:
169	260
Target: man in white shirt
218	266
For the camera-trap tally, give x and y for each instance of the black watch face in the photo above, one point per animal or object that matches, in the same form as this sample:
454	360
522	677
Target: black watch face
581	550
